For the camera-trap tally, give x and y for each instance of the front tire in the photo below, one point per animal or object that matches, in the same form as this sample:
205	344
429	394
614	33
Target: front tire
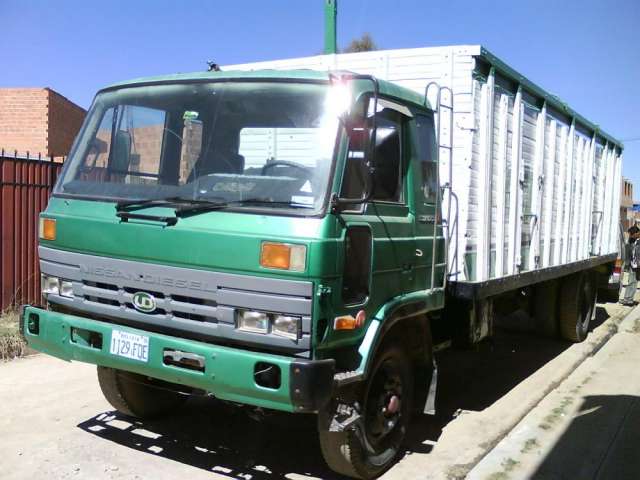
136	395
374	445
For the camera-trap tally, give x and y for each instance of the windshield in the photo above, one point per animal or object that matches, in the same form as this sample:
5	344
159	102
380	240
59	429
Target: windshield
260	142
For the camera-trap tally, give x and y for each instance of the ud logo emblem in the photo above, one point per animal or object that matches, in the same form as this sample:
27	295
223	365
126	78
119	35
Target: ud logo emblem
143	302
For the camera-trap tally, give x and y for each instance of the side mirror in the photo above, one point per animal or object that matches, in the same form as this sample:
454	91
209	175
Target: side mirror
359	165
121	157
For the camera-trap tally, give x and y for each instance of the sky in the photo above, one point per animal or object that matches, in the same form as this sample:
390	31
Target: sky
587	52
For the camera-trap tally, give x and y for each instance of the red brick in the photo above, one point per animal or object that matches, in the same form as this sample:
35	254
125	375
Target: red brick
38	121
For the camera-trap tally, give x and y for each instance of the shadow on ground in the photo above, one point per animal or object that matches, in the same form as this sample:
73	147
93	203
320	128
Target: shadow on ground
614	420
231	441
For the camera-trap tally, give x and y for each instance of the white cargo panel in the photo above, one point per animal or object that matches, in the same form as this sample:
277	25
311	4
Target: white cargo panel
536	188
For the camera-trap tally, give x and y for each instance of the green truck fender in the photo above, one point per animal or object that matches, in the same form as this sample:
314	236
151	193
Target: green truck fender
400	309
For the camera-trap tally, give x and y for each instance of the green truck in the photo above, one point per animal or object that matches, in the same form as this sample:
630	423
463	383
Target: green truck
287	239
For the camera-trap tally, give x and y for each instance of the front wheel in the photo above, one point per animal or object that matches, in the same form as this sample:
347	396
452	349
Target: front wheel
138	396
374	444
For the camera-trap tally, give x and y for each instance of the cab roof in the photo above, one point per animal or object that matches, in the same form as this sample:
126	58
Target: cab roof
386	88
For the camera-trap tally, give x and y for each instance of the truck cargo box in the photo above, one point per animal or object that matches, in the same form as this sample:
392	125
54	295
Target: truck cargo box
537	185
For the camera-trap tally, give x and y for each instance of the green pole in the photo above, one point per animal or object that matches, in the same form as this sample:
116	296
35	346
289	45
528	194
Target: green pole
330	15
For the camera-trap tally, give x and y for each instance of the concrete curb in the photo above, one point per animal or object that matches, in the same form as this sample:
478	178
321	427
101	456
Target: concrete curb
513	449
500	418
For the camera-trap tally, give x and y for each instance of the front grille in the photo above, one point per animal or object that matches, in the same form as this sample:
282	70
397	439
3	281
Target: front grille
169	305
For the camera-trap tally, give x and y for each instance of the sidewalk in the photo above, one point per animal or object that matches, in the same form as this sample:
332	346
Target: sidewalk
587	428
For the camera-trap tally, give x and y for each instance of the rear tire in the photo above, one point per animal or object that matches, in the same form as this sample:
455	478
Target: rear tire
136	395
374	446
577	306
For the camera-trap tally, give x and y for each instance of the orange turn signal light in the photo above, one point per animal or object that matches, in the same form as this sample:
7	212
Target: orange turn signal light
275	255
47	228
283	256
349	322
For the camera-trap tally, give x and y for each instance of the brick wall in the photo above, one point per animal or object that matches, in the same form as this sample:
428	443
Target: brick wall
65	120
37	121
23	120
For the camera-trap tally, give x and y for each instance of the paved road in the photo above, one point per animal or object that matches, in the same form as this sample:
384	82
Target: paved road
54	423
587	428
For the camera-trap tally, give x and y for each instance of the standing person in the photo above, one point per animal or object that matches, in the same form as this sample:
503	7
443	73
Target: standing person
632	265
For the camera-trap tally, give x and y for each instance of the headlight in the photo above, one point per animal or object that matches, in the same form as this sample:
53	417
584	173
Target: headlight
286	326
250	321
66	288
56	286
50	285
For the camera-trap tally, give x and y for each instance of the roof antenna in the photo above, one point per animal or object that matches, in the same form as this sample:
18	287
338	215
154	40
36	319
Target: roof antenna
213	67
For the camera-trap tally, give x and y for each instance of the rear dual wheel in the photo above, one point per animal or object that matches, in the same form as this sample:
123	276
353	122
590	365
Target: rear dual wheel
577	305
375	443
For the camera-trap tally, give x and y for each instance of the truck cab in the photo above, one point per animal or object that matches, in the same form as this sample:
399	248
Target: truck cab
272	238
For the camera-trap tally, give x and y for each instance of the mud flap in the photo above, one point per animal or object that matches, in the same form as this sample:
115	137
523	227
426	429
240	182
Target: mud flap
430	403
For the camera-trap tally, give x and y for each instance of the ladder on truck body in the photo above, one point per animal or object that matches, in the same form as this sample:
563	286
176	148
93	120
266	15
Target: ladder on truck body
443	107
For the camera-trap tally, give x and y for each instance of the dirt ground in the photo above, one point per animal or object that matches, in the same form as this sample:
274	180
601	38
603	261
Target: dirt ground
55	424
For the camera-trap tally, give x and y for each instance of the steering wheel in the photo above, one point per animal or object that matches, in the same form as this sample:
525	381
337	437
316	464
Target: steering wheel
285	163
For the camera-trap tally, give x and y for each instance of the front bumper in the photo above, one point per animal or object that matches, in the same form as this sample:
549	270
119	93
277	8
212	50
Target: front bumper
229	373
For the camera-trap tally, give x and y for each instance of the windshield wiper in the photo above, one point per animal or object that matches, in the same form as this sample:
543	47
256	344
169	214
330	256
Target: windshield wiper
201	206
184	207
160	202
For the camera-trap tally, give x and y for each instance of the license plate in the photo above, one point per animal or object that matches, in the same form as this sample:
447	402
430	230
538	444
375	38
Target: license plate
129	345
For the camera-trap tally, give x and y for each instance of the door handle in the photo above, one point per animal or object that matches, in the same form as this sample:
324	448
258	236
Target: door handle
407	268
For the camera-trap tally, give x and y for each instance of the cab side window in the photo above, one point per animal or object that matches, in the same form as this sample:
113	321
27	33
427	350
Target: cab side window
387	179
427	156
388	176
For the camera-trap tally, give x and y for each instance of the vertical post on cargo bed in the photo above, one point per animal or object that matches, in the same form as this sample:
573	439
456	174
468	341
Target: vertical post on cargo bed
330	30
548	203
615	211
585	212
538	186
515	196
601	198
591	179
562	198
483	253
501	173
566	231
579	198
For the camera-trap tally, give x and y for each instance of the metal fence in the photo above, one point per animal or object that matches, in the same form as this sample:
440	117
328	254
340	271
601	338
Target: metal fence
25	185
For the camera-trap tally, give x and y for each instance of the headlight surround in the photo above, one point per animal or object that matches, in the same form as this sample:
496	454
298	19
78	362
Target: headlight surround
47	228
250	321
286	326
50	285
283	256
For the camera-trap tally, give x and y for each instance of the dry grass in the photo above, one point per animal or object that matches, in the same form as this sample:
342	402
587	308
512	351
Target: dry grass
12	344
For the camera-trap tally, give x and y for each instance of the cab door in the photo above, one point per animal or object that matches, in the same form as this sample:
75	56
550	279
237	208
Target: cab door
383	227
430	243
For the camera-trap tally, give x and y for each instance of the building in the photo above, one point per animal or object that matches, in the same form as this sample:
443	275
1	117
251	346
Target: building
627	214
37	122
